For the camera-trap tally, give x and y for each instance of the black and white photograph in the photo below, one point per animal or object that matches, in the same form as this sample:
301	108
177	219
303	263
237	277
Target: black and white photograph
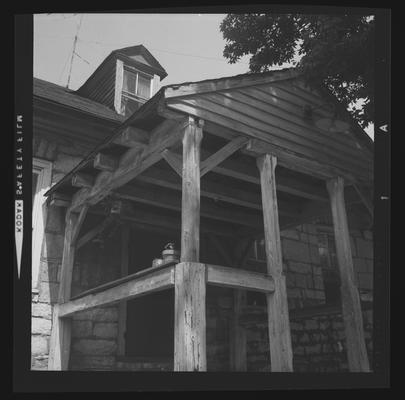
202	191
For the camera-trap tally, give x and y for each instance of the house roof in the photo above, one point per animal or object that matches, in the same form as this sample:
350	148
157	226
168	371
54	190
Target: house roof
60	95
216	90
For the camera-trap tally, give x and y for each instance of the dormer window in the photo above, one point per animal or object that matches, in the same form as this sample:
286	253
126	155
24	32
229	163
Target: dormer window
136	89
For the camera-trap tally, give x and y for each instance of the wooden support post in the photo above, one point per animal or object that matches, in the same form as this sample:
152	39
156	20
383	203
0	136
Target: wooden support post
238	359
59	350
190	323
277	306
190	276
190	208
122	311
238	350
351	309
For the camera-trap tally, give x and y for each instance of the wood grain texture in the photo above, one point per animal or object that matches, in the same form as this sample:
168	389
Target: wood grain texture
132	163
122	309
221	155
277	307
239	279
105	163
190	206
59	343
190	317
237	343
141	285
59	350
119	81
351	309
174	161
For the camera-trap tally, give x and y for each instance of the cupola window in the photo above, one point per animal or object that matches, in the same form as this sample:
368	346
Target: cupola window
136	89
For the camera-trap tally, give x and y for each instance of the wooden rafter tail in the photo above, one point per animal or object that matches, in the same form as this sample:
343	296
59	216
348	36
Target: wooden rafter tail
132	163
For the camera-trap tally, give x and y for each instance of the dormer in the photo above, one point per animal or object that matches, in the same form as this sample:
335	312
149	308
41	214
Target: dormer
125	80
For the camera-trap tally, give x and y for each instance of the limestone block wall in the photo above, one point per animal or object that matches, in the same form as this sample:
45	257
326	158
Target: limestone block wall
64	155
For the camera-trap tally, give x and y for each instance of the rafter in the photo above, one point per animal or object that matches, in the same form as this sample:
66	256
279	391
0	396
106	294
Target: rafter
221	155
131	164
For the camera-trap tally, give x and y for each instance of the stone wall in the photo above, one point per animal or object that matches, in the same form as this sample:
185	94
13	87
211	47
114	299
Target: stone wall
64	156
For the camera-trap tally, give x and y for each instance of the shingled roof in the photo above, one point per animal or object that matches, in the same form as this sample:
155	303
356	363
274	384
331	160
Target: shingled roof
60	95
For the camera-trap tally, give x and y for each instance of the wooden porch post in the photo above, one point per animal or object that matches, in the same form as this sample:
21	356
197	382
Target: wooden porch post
238	350
190	276
59	348
351	309
122	311
277	306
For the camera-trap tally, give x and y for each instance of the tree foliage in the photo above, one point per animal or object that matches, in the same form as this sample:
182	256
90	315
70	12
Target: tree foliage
334	50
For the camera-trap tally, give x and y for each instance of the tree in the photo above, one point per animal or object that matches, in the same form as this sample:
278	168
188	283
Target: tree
334	50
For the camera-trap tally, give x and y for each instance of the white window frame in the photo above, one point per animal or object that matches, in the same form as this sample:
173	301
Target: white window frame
137	72
43	169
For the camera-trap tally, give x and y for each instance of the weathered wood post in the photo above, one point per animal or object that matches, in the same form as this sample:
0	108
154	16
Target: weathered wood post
238	350
190	276
59	347
277	306
351	309
122	310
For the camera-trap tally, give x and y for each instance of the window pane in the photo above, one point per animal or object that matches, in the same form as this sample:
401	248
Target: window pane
129	84
143	87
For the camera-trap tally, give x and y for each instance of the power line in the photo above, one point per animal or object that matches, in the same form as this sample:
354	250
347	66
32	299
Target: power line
108	45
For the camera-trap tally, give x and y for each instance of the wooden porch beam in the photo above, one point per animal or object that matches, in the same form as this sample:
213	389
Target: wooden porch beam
277	307
174	161
239	279
92	233
171	201
148	218
145	284
351	309
221	155
132	163
132	137
296	163
79	223
210	189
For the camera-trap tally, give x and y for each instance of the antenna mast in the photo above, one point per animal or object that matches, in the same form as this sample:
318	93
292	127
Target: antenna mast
74	49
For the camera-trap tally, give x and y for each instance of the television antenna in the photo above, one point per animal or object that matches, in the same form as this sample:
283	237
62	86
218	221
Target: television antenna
74	49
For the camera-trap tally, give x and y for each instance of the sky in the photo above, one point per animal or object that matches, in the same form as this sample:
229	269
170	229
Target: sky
188	46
